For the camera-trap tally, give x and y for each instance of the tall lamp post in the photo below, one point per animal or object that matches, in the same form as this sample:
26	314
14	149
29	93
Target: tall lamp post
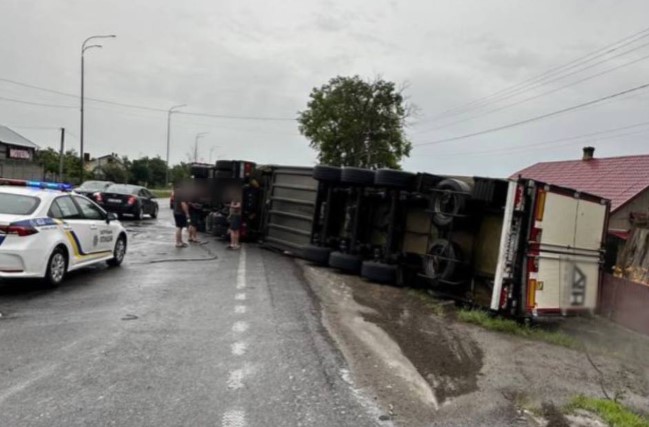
198	136
171	110
85	46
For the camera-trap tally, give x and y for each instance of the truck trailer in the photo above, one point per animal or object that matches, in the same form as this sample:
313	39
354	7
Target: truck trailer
515	246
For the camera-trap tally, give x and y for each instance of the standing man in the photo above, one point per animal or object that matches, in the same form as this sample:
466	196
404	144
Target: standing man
235	222
181	213
195	211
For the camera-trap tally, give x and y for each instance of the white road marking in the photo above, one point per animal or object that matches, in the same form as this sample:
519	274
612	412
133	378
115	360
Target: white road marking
234	418
240	326
240	297
241	271
235	379
239	348
240	309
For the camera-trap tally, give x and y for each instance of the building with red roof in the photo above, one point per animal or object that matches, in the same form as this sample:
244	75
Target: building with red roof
623	180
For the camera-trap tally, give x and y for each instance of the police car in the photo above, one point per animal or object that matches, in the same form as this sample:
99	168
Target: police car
47	231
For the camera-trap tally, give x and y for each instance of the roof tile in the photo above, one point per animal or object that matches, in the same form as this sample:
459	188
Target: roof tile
619	179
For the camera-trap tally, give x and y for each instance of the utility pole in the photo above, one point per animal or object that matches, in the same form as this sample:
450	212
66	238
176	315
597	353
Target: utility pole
198	136
61	154
169	112
84	47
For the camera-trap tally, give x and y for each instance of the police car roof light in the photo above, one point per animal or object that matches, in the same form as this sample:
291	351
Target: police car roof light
37	184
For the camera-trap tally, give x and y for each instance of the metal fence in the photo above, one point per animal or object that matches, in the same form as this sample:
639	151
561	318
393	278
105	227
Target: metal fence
20	169
625	302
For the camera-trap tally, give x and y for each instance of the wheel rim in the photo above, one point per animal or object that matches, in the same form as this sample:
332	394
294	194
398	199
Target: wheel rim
120	250
141	214
57	267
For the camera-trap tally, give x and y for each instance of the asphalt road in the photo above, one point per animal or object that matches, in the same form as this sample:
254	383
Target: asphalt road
175	337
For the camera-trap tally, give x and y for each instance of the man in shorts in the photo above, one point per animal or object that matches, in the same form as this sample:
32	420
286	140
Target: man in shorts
181	214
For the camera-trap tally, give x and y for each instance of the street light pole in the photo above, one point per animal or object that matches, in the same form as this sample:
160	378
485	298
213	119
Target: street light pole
171	110
198	135
84	47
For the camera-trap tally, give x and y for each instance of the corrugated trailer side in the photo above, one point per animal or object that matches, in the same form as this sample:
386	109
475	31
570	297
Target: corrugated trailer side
289	207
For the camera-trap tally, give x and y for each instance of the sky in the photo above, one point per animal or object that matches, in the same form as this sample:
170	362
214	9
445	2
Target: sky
256	62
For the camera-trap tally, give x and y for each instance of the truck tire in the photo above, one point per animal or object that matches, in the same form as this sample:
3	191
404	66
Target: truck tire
348	263
379	272
315	254
324	173
449	201
357	176
394	179
223	174
224	165
441	262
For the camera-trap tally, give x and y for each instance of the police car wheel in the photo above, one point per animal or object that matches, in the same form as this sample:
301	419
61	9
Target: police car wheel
154	214
140	213
57	266
118	253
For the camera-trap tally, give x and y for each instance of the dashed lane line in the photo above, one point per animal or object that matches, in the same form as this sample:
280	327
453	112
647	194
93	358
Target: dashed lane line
240	326
240	309
234	418
239	348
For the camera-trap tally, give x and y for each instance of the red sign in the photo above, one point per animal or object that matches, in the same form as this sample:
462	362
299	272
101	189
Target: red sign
20	153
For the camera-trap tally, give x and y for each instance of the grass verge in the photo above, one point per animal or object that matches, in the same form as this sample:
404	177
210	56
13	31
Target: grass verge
613	413
162	193
436	306
498	324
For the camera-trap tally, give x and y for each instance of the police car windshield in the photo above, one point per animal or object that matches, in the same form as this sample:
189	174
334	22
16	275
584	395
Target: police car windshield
122	189
94	185
16	204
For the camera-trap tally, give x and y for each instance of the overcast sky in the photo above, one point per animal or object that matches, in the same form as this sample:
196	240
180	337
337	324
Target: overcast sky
253	58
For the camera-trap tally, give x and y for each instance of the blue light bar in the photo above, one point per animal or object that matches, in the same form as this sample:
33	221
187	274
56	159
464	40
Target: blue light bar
50	185
37	184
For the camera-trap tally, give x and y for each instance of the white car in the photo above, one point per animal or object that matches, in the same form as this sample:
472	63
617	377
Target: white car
47	231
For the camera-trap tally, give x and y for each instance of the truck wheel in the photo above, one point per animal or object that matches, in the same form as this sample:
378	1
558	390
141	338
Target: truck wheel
223	174
224	165
357	176
394	179
346	262
379	272
441	262
316	254
326	173
449	201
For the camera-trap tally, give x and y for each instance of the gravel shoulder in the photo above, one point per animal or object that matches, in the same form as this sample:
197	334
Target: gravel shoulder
423	368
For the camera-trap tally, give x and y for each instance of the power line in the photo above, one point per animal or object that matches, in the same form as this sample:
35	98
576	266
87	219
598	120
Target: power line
222	116
536	118
136	106
495	110
576	62
40	104
541	144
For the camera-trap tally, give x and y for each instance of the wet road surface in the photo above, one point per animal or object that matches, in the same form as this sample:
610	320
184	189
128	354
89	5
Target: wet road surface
196	336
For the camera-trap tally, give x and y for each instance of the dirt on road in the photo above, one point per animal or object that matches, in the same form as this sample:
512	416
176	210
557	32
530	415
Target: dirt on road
425	369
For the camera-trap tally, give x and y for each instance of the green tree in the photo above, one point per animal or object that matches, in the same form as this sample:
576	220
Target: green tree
179	172
49	159
148	171
139	172
114	172
353	122
158	170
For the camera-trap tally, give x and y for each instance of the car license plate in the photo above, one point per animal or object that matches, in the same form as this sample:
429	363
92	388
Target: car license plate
114	201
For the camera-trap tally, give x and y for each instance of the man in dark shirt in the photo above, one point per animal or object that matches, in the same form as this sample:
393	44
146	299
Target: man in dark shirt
181	213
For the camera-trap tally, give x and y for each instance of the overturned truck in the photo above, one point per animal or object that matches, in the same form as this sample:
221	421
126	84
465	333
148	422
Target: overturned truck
518	246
